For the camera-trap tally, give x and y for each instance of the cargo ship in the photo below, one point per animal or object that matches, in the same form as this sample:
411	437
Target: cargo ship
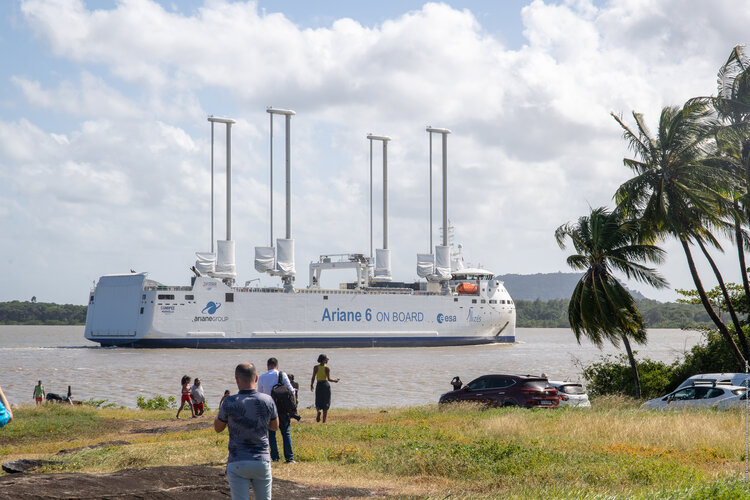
449	304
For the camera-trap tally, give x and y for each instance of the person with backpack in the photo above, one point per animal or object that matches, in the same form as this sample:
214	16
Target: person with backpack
276	384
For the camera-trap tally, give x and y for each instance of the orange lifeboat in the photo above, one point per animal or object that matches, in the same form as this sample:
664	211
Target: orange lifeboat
466	288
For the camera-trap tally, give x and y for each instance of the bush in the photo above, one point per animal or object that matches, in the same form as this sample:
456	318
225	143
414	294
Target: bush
157	403
613	375
712	356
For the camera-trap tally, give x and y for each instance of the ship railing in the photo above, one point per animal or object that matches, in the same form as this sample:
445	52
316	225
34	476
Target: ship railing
162	288
365	291
356	291
342	257
257	289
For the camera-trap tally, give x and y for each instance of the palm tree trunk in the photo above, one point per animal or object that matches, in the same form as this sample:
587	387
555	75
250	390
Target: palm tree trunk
633	366
710	310
743	266
727	301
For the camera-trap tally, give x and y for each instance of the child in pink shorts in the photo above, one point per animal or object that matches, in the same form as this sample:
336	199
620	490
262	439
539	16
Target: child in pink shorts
185	396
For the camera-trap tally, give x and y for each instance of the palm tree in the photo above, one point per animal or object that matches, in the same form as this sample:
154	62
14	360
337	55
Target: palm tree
676	192
600	307
732	105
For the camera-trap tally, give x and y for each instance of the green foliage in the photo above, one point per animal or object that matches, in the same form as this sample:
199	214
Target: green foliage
716	298
157	403
613	375
41	313
711	356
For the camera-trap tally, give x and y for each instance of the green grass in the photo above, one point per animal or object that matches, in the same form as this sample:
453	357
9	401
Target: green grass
614	450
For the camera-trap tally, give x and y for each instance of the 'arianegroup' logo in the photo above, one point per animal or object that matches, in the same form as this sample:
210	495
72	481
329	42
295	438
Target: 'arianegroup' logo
211	307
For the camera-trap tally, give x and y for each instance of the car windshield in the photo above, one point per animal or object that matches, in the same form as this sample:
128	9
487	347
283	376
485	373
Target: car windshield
572	389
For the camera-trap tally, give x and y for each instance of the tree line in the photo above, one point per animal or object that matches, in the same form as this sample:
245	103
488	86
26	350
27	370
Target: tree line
41	313
554	314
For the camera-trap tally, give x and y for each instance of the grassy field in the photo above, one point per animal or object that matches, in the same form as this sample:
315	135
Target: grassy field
613	450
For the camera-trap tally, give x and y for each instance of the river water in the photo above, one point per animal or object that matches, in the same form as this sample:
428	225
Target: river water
370	377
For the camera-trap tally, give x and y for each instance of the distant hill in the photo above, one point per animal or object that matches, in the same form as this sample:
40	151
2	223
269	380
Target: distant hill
544	286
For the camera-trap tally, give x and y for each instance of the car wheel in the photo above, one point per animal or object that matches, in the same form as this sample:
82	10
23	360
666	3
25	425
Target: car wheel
508	404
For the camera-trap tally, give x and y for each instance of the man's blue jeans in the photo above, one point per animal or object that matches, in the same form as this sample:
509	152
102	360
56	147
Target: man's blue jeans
286	436
241	475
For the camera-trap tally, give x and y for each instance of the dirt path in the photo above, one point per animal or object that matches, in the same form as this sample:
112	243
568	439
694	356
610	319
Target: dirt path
166	482
154	483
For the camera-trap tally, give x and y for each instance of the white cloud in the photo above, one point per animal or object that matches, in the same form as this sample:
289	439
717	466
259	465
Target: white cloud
88	97
533	143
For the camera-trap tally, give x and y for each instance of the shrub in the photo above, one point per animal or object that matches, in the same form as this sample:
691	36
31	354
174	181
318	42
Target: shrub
613	375
157	403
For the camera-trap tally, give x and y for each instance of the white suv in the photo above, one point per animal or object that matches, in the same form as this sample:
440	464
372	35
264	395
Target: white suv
699	395
719	378
571	394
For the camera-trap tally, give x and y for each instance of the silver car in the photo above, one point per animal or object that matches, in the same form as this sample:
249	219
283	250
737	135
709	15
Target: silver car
735	402
698	395
571	394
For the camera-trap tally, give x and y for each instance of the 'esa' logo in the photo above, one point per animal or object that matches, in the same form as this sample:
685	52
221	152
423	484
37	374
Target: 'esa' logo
445	318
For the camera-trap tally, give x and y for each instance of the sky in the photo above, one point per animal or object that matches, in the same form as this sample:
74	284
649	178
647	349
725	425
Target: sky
105	144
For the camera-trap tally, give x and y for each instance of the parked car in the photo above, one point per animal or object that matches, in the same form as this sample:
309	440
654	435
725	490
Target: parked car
571	394
735	402
702	394
527	391
719	378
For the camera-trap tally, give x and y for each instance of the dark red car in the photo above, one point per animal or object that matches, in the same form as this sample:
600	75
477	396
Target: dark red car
506	390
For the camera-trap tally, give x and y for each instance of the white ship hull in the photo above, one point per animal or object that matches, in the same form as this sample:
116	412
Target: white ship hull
130	310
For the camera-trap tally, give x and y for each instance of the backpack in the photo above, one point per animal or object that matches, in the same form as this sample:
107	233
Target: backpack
283	397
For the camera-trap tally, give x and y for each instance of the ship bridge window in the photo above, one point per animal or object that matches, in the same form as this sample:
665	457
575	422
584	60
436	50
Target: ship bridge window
229	297
455	299
473	301
483	301
143	297
189	297
493	301
91	299
166	297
